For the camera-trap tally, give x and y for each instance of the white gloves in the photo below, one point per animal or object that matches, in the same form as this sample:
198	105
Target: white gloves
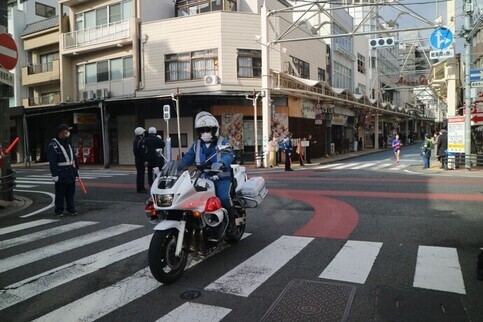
55	179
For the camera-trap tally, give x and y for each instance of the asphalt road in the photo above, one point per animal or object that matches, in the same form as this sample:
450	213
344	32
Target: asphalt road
359	240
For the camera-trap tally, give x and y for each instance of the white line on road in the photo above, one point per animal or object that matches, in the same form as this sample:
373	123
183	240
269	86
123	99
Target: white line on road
364	165
12	262
249	275
26	225
43	234
325	166
191	311
347	165
35	285
33	181
438	268
353	263
106	300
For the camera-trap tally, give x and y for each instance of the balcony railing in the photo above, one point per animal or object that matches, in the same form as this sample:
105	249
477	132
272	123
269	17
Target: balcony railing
41	68
97	35
44	100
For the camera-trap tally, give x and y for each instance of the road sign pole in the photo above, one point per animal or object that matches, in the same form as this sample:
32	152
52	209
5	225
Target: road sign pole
468	24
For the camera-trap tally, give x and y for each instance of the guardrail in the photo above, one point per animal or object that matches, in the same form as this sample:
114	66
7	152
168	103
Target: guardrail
458	160
7	183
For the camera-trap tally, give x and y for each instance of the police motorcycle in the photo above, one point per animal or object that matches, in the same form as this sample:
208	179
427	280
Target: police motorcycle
189	217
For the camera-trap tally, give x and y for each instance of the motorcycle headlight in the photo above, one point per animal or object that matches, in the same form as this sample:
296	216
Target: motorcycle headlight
164	200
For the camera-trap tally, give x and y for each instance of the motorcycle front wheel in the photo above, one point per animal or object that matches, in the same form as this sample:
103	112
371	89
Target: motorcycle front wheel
165	266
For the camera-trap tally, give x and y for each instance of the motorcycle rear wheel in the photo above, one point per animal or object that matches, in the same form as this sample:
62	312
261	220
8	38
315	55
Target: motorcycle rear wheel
165	266
233	237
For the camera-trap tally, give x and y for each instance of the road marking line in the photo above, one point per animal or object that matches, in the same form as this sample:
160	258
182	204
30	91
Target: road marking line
12	262
26	225
191	311
36	182
365	165
44	234
106	300
35	285
328	165
24	186
249	275
347	165
438	268
353	262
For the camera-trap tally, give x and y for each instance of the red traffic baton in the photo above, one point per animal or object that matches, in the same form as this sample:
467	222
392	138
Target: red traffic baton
83	187
10	147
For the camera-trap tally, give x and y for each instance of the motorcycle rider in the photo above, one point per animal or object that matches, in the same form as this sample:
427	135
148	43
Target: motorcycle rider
205	147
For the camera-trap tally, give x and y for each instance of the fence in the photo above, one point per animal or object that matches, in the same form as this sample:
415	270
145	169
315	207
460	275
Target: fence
457	160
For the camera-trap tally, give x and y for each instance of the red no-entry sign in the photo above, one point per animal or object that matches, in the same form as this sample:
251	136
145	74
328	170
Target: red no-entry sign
8	52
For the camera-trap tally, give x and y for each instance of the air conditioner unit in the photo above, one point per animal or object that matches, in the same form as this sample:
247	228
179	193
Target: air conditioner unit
91	95
84	95
106	93
212	80
100	93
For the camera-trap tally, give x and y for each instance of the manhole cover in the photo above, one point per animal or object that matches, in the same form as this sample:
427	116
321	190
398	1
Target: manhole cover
304	300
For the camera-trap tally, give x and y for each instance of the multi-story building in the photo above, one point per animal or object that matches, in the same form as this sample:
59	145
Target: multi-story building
120	62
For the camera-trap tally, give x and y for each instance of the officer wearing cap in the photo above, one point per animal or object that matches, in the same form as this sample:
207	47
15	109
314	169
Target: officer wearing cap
64	169
153	146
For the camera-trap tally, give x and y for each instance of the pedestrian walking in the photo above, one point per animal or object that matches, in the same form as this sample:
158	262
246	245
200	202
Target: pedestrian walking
308	148
139	151
426	148
300	152
287	148
442	142
153	144
64	167
272	157
396	146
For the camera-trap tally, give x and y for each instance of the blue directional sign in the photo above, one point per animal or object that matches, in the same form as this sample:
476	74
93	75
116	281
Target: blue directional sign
476	75
441	38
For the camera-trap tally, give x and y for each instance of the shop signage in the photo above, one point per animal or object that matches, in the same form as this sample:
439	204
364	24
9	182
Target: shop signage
85	118
456	134
422	80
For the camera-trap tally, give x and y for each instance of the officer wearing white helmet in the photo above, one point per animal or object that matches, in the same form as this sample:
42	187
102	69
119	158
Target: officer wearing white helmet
202	149
139	151
153	143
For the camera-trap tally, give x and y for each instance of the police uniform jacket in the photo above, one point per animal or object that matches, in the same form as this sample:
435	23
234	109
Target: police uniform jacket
62	160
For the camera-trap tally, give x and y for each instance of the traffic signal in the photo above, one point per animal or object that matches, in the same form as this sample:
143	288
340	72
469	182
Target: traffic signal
382	42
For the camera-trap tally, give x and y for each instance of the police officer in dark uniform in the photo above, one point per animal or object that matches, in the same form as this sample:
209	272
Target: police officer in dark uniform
139	151
153	145
64	169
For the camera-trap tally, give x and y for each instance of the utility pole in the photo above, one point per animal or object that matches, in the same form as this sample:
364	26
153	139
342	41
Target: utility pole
468	39
255	113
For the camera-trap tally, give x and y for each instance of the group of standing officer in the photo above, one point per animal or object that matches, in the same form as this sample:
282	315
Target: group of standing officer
147	151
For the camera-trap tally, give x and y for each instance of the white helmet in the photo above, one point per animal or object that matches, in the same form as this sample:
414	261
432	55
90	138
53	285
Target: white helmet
205	119
139	131
152	130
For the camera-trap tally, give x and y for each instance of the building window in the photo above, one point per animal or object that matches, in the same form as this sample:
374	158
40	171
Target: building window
43	10
361	64
192	65
321	74
104	15
249	63
194	7
303	68
106	70
342	76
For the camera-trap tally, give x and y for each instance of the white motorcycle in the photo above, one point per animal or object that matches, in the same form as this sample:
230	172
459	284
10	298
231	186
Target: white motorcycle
189	217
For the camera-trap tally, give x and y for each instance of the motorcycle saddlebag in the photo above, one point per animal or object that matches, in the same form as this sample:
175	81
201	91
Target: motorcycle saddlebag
253	192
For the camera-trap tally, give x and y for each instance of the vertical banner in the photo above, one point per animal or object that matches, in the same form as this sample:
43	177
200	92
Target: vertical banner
456	134
280	125
232	129
167	149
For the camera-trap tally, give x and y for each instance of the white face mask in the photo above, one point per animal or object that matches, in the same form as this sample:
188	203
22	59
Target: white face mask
206	137
67	134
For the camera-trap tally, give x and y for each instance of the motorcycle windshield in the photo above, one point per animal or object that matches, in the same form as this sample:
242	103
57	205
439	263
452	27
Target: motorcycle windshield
169	175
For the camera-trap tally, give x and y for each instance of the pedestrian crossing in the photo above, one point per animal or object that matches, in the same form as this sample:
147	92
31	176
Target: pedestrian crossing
371	166
26	179
436	268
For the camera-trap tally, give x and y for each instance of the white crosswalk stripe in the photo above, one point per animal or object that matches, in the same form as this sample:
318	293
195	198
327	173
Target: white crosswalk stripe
25	179
436	268
371	166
